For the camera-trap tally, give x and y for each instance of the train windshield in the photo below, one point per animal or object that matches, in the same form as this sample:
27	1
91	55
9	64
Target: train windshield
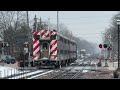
45	50
53	37
37	37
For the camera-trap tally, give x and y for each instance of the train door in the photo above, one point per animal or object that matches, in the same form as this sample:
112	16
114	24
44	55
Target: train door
45	50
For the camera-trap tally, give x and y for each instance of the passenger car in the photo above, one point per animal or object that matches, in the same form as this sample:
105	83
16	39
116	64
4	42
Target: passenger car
7	59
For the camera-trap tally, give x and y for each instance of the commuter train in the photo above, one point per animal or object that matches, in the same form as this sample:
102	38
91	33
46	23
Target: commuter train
51	49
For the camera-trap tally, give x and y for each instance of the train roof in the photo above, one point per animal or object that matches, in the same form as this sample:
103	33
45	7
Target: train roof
63	36
66	37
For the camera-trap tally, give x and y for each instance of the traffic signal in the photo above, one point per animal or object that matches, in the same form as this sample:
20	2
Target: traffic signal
105	45
100	45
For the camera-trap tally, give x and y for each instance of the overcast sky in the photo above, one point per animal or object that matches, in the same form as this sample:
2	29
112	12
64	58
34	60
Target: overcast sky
86	24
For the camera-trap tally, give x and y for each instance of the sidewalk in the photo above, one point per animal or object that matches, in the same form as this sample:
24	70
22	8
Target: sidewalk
112	66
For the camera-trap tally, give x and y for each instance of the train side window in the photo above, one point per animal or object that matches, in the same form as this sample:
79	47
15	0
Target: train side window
73	43
60	38
61	51
65	51
58	51
37	37
66	41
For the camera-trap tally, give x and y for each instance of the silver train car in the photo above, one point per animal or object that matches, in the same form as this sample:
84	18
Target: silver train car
51	49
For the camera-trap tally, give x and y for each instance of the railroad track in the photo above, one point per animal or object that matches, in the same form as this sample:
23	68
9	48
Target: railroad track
68	74
36	74
71	75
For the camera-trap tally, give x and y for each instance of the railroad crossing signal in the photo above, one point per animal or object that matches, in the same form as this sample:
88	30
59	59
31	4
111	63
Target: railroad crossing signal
100	45
110	48
105	45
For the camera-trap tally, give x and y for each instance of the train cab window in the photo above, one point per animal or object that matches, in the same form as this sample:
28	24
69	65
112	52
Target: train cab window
53	37
45	45
37	37
45	50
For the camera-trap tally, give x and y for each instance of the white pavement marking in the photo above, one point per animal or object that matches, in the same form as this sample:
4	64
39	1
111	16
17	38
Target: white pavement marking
40	74
84	71
17	77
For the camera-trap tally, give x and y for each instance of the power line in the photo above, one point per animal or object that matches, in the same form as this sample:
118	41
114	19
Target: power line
87	33
83	17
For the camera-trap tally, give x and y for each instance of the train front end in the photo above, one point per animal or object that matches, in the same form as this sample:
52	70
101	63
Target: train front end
45	48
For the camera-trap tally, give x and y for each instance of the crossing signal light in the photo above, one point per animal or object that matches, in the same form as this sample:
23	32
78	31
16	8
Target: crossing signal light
26	45
4	45
105	46
100	45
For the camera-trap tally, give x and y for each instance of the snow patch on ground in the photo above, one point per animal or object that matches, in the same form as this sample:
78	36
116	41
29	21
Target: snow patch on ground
7	71
84	71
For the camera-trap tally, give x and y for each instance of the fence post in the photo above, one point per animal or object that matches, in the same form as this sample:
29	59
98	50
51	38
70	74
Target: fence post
7	72
11	72
4	73
0	74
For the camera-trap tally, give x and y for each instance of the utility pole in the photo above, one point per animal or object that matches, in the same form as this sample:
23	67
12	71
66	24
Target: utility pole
58	30
29	38
35	23
48	23
57	20
2	34
110	47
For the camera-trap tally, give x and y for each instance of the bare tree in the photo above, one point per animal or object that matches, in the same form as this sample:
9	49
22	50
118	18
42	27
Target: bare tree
112	30
10	22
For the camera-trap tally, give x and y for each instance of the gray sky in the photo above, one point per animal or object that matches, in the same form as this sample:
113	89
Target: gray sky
86	24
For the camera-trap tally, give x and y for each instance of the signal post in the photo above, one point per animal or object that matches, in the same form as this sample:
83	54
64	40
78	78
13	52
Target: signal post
105	47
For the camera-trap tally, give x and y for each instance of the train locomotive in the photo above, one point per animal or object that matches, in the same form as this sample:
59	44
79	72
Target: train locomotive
51	49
